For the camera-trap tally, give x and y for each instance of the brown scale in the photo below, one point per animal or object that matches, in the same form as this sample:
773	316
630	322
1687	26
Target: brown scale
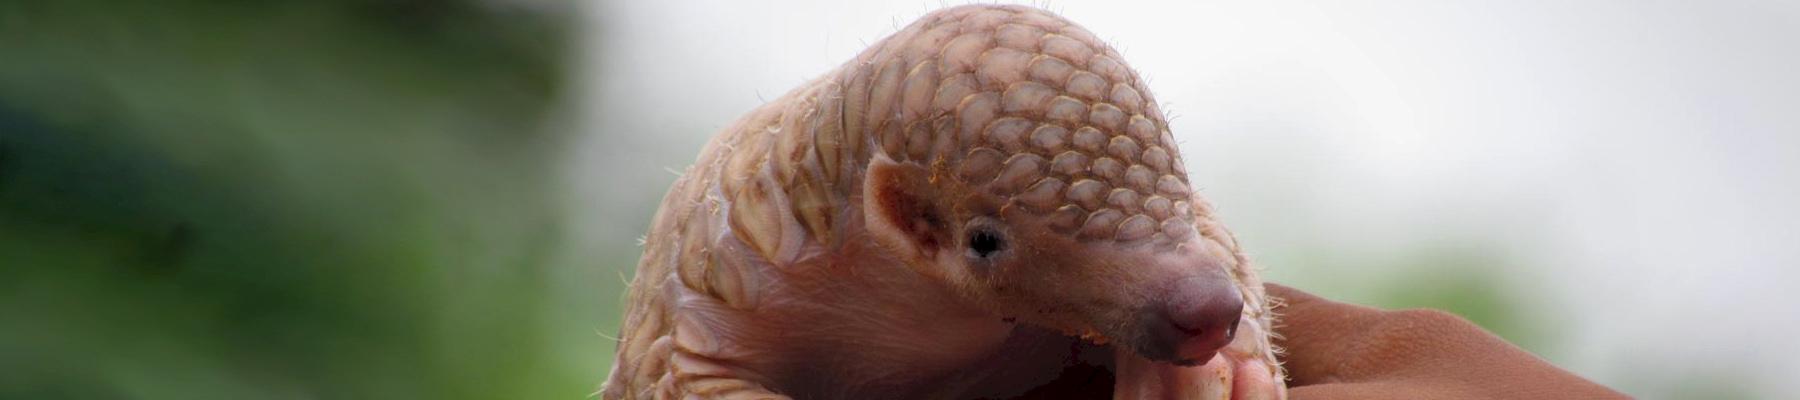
1035	111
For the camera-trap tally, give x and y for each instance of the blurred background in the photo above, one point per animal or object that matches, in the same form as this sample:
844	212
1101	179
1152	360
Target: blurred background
442	199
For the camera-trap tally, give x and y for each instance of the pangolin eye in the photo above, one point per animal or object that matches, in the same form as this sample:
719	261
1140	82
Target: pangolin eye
985	243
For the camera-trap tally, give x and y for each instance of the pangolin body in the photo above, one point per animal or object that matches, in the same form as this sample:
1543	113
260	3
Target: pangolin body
1006	113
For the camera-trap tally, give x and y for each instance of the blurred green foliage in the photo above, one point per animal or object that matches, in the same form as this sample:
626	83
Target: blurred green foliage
261	199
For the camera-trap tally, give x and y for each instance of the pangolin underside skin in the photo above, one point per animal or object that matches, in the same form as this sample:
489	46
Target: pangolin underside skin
986	204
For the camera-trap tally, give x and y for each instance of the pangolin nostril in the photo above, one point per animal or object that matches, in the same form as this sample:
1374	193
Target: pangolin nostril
1205	310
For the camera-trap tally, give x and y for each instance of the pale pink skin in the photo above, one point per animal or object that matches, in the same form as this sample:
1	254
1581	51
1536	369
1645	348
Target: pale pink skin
767	274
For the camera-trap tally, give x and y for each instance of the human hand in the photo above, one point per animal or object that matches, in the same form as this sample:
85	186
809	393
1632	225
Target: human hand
1343	351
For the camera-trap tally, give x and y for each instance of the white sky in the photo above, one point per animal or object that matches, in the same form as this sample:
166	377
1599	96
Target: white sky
1636	161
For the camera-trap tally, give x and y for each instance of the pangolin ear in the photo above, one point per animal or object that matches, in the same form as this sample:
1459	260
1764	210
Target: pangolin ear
901	212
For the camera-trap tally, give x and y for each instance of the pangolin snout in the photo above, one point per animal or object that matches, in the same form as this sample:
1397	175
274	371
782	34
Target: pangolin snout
1198	316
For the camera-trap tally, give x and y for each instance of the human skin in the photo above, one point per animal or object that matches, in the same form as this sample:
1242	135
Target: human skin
1344	351
986	204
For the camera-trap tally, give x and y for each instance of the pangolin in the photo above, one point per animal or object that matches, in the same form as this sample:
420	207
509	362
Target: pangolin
986	204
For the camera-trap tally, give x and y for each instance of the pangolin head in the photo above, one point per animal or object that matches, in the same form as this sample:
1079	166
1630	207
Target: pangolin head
1017	158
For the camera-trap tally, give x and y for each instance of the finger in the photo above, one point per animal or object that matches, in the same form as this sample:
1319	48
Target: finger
1527	386
1336	350
1316	333
1331	342
1378	390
